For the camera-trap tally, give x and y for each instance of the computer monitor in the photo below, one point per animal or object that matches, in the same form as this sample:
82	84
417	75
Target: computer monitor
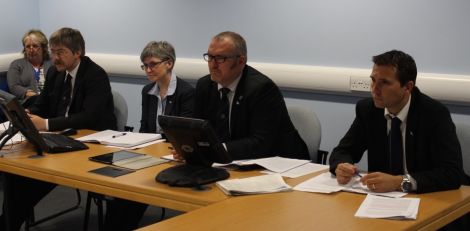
19	120
195	140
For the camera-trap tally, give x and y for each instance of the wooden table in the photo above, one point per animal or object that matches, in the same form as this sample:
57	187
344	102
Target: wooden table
71	169
213	210
311	211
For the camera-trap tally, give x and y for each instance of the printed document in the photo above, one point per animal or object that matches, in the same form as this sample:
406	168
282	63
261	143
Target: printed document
326	183
302	170
254	185
274	164
392	208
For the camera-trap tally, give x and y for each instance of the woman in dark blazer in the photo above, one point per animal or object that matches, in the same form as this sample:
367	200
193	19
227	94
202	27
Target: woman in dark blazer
166	94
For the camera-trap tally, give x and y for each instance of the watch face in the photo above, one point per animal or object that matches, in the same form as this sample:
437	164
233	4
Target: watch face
407	186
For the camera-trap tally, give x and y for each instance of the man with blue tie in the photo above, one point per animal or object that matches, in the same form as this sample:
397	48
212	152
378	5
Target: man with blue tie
410	138
245	107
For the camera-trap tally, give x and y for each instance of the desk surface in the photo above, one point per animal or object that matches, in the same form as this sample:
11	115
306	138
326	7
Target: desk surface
71	169
311	211
216	211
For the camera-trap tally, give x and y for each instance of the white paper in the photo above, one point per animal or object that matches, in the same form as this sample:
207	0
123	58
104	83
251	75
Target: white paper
138	146
302	170
326	183
393	208
254	185
120	139
17	138
278	164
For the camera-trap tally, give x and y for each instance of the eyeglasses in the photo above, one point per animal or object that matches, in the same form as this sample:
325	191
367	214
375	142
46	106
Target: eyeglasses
218	58
32	47
151	65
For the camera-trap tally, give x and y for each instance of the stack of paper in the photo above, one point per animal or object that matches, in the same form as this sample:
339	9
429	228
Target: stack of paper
392	208
285	166
120	139
326	183
254	185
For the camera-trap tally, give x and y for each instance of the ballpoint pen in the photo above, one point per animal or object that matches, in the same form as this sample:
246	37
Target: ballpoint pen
358	174
118	135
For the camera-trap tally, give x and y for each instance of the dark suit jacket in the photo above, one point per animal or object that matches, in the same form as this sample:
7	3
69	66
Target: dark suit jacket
92	101
181	103
433	154
260	124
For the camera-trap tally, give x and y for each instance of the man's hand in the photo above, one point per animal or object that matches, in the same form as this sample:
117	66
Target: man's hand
177	156
30	93
382	182
344	172
38	122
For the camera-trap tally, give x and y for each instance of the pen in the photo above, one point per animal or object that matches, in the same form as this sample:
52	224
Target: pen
118	135
358	174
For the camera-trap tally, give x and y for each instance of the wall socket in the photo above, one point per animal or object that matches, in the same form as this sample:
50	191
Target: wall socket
359	83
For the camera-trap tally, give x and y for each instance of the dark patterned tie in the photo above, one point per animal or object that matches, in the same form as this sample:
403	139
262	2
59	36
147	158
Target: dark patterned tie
65	98
396	147
223	120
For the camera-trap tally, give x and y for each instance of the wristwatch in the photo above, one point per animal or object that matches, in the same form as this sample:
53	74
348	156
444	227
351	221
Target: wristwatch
406	184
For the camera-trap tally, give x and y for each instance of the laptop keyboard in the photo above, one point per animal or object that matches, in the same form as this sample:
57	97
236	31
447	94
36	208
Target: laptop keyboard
59	143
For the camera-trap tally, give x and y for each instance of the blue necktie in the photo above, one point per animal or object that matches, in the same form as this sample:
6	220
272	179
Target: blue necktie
222	125
396	147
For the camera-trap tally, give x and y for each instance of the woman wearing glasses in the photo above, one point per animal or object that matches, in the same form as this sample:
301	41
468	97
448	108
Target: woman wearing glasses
166	94
26	75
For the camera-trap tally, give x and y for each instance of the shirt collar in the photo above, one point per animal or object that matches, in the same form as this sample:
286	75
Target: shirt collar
171	87
73	73
403	114
232	86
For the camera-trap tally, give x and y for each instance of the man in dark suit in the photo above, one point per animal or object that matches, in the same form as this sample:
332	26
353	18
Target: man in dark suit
428	157
250	117
77	94
89	102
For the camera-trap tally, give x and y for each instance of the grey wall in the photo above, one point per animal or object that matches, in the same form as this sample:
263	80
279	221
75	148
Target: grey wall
340	33
17	17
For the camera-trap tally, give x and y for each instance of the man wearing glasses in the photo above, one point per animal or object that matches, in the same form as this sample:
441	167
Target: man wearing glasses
77	94
245	107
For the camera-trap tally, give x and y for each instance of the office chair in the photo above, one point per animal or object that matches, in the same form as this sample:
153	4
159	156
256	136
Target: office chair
308	125
31	221
120	111
463	133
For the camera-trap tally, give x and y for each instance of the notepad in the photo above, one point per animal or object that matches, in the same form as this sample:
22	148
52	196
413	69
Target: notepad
120	139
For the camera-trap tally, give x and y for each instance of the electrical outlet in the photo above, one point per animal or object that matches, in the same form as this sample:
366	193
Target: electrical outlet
359	83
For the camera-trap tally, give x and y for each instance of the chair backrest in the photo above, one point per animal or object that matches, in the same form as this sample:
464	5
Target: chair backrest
120	110
309	127
463	133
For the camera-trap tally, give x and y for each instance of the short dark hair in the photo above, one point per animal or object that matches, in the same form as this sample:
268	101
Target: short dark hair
405	64
161	49
238	41
70	38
